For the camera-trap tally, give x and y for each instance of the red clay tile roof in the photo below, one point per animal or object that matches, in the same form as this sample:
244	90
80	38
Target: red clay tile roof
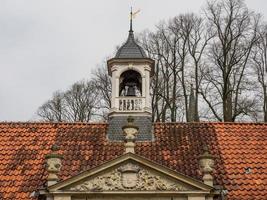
238	146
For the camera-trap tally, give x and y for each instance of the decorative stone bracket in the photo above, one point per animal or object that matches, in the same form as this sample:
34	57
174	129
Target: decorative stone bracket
130	131
53	165
206	162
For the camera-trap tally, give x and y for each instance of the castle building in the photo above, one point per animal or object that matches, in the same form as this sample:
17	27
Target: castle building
131	157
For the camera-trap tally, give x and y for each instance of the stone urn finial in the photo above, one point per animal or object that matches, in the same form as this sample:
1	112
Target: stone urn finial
206	162
130	131
53	165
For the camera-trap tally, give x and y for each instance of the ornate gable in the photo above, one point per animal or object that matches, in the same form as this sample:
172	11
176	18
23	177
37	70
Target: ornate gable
129	174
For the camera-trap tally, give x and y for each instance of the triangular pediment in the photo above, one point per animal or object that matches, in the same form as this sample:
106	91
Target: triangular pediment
129	173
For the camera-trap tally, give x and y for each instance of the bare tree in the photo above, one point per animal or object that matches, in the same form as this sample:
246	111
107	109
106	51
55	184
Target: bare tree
259	60
157	47
199	38
180	28
193	40
177	47
53	110
102	82
226	86
78	104
81	102
162	46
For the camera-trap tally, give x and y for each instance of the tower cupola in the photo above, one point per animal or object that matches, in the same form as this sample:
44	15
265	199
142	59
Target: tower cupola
130	72
130	49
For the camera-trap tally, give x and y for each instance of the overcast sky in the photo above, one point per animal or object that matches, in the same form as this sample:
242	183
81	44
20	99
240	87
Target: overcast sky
47	45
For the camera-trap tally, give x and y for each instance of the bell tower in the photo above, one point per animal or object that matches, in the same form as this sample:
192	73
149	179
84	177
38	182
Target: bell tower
130	71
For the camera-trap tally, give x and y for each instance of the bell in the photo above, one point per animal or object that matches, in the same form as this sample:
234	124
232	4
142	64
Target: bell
131	91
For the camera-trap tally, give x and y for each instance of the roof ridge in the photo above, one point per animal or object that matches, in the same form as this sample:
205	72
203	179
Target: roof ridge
207	122
104	123
36	122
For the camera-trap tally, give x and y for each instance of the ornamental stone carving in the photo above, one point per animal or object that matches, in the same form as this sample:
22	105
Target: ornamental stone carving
130	131
53	165
111	181
129	177
206	162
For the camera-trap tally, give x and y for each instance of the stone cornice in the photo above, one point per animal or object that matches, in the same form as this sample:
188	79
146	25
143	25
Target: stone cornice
136	61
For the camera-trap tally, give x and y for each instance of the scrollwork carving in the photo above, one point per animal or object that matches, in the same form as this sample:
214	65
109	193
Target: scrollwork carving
152	182
107	182
142	180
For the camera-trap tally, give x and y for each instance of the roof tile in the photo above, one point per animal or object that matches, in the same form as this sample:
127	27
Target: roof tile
238	146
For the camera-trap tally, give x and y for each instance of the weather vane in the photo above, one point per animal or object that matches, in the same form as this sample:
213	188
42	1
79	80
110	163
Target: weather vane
132	15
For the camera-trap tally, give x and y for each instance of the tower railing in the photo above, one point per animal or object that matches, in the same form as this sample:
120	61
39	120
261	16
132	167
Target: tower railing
130	103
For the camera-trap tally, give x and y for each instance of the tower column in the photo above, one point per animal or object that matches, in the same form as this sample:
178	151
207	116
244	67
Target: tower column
113	84
113	87
147	82
117	90
143	86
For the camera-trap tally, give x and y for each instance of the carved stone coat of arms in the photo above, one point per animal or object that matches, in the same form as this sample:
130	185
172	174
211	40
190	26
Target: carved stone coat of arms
129	175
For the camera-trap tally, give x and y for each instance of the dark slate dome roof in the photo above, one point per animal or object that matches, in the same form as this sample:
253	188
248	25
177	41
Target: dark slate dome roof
130	49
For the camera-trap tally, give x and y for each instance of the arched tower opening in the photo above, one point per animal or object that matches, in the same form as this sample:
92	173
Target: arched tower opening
130	84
